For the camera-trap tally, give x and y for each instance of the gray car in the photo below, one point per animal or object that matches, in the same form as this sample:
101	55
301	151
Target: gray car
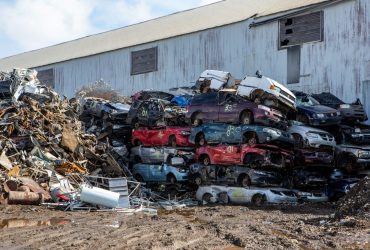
158	154
306	136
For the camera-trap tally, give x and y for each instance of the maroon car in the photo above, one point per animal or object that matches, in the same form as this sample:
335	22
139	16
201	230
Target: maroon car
229	108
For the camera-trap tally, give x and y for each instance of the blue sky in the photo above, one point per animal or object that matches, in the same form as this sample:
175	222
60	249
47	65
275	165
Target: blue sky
31	24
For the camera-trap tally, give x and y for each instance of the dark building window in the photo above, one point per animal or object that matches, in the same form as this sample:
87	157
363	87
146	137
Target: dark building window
301	29
293	64
144	61
46	77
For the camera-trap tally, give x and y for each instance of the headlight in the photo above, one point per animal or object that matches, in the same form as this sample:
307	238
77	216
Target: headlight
312	135
264	108
181	170
320	115
363	153
185	133
272	131
344	106
338	113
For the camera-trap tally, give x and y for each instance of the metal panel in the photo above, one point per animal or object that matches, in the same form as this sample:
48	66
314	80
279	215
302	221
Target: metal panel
144	61
301	29
46	77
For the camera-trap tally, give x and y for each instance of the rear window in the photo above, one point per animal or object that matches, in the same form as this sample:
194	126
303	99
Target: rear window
209	98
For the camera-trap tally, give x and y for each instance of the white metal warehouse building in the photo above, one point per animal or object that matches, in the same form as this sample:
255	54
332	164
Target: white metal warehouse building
309	45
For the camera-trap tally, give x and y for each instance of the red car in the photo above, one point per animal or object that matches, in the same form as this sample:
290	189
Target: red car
171	136
260	155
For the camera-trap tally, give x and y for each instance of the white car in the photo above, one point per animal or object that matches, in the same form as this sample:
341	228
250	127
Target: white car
305	136
261	89
218	79
313	197
240	195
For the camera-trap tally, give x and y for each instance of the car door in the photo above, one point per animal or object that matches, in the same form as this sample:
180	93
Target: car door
156	173
209	107
227	154
228	107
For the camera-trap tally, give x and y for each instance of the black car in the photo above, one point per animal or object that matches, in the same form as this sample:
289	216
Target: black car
311	112
351	157
233	175
5	89
350	112
358	134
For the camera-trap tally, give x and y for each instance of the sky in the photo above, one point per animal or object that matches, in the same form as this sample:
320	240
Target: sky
32	24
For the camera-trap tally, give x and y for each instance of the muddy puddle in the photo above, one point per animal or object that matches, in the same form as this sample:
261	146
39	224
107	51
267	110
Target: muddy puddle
19	223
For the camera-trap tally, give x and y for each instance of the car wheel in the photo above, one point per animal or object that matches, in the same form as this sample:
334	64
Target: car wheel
139	178
200	141
172	141
298	140
198	180
206	161
137	143
250	138
244	181
303	118
171	179
258	200
223	198
196	121
246	118
207	197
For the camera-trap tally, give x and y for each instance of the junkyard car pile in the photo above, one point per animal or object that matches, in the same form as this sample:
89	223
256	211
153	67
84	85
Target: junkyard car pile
247	141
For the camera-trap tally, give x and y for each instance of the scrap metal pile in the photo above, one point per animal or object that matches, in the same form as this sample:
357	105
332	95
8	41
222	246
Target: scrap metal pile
247	141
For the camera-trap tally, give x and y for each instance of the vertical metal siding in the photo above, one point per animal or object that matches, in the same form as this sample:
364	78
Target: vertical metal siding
339	64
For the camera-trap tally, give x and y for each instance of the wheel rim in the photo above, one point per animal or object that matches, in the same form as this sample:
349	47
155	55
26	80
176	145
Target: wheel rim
198	180
245	182
252	141
202	141
207	198
196	122
206	161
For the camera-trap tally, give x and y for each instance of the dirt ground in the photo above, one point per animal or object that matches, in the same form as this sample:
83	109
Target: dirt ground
207	227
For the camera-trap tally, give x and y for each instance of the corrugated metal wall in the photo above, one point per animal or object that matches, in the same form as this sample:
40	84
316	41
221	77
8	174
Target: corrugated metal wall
340	64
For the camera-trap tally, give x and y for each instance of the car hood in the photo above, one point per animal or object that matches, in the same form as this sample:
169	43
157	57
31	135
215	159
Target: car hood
317	109
281	86
305	129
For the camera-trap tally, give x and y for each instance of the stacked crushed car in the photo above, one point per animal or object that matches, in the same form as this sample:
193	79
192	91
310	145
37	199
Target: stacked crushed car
237	141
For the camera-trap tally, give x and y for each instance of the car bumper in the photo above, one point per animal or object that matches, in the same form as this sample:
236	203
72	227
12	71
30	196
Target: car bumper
325	121
316	143
362	164
279	200
360	139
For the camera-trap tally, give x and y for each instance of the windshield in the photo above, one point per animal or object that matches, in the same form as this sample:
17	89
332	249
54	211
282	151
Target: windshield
306	101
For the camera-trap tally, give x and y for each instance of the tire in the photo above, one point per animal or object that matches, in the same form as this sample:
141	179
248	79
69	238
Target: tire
171	179
207	197
246	118
200	140
139	178
138	142
298	140
244	181
205	160
172	141
250	138
198	180
223	198
258	200
135	123
196	121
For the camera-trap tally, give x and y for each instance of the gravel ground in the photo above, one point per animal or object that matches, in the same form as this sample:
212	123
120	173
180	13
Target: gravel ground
303	226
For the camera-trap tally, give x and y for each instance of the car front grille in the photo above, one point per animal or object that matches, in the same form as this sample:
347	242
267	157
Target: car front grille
287	95
325	136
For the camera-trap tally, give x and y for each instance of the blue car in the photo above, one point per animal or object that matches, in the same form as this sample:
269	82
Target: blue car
311	112
160	173
216	133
